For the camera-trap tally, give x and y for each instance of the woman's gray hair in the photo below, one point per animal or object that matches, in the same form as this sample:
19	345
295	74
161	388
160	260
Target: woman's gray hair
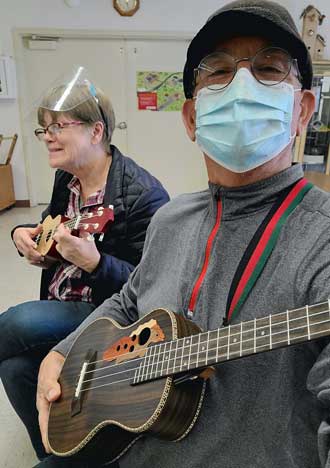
83	106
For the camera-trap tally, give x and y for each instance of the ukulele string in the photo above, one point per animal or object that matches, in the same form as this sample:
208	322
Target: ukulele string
131	370
208	350
240	332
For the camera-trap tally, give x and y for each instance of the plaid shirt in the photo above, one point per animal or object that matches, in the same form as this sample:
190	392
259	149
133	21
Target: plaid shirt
63	286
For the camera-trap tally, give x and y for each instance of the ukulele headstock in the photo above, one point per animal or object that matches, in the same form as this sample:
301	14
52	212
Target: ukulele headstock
97	220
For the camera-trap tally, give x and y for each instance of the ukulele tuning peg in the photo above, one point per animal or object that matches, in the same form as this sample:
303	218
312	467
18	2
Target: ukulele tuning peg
101	237
111	207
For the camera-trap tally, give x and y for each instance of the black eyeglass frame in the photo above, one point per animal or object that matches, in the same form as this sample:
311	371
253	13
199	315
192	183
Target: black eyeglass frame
40	132
292	61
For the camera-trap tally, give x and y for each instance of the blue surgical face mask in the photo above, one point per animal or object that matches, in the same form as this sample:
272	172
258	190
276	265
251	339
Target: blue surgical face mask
245	125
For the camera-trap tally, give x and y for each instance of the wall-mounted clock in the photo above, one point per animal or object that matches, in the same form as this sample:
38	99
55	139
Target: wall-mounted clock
126	7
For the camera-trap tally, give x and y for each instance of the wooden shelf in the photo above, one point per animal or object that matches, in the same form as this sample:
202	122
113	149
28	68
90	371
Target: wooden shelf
319	179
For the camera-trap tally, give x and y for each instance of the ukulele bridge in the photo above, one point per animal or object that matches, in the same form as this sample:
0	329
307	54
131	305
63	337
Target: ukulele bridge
77	398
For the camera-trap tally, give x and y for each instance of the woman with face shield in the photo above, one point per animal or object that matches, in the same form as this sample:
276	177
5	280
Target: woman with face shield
76	125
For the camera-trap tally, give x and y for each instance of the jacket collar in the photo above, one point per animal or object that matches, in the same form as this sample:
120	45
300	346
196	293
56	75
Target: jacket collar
114	184
242	201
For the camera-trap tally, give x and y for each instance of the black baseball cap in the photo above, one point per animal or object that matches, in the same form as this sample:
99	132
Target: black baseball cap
248	17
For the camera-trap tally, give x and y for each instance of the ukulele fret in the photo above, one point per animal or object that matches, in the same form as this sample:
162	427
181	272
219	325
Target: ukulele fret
169	358
182	355
166	357
203	350
207	347
146	366
189	354
288	326
185	356
319	322
76	224
159	349
137	373
198	349
234	342
298	324
175	355
228	343
154	349
148	363
308	325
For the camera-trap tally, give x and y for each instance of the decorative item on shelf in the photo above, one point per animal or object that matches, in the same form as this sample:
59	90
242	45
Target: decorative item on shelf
126	7
312	19
7	195
313	146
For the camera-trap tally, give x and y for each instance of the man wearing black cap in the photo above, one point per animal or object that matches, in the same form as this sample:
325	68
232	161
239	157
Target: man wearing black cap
255	243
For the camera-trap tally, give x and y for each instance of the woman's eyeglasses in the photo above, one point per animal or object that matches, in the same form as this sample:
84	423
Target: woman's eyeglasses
54	129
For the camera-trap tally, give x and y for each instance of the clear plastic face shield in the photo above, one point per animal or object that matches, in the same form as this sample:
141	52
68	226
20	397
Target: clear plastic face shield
63	96
68	92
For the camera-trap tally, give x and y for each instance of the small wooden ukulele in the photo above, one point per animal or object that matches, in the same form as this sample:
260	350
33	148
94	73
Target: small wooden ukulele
93	222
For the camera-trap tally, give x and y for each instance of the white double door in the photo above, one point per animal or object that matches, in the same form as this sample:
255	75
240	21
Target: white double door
156	140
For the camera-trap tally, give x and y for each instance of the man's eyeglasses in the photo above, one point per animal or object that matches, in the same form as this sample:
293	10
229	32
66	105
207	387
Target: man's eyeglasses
53	129
269	66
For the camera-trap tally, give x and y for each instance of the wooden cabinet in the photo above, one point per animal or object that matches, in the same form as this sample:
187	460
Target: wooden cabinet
7	195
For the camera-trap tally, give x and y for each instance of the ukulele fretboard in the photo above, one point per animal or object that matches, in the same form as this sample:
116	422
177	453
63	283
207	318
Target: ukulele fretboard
234	341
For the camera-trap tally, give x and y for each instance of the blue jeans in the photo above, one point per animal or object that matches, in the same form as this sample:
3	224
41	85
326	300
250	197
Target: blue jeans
27	333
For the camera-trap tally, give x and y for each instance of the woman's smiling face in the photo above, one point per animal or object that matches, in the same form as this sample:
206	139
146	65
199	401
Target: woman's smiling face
70	148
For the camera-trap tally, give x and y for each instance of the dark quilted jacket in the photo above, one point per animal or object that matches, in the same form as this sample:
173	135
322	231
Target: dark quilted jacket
136	195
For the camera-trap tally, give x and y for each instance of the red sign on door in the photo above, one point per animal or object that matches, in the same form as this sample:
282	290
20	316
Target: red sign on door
147	100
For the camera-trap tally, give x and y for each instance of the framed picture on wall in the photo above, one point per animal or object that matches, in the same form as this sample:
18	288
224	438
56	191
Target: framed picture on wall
3	81
7	78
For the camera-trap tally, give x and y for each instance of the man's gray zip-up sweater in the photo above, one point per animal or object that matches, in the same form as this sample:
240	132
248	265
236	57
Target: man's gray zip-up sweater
257	412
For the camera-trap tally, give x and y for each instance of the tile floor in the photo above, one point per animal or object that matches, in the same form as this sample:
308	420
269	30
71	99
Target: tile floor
19	282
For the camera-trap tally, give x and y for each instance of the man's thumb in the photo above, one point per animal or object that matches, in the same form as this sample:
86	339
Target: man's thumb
53	393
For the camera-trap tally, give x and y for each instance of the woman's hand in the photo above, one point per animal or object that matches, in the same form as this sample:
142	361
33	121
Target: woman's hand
24	240
81	251
48	390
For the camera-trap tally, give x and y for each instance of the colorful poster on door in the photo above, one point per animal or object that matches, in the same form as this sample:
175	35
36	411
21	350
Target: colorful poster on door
161	91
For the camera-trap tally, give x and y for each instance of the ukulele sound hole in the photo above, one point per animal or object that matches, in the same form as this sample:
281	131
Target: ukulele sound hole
144	336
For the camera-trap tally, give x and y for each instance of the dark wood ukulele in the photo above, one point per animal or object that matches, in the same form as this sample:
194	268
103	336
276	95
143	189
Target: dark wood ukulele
119	383
94	222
